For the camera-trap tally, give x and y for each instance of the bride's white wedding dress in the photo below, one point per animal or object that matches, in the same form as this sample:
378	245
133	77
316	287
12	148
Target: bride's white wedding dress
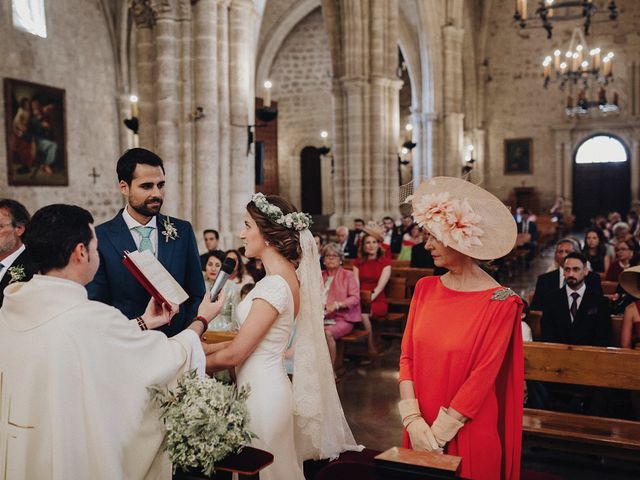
270	403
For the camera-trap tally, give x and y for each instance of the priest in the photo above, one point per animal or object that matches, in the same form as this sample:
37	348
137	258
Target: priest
74	372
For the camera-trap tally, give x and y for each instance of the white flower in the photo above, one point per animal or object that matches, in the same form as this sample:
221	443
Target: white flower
17	273
170	231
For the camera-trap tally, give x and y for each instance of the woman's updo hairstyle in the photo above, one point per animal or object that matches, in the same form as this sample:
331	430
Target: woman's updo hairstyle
285	240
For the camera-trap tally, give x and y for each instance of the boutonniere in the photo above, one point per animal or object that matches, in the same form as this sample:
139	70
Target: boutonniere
17	273
170	231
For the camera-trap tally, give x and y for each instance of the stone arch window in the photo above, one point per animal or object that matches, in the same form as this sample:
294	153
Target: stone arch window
29	15
601	148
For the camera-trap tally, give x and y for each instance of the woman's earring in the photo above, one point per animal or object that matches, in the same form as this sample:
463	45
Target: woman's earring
266	242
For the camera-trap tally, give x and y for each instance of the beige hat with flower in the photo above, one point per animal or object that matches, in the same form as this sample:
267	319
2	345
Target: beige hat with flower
630	281
464	217
375	230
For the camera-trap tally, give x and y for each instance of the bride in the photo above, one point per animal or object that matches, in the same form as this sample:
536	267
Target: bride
303	421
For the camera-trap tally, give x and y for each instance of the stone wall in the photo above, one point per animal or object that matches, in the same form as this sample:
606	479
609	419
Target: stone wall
301	76
77	57
518	106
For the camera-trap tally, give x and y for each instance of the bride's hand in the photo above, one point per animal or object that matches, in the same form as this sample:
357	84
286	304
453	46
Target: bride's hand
208	309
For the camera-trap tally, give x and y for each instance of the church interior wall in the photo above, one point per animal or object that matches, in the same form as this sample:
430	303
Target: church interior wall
76	56
301	76
517	105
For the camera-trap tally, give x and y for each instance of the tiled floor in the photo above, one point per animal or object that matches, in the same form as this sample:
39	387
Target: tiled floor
369	395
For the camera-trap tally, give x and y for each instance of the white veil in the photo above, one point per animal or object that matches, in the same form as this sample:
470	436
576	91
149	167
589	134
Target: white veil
321	430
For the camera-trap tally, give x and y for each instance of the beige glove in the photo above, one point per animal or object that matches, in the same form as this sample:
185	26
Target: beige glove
445	427
422	439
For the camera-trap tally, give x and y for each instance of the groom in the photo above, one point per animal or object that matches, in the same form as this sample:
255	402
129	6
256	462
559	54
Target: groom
140	226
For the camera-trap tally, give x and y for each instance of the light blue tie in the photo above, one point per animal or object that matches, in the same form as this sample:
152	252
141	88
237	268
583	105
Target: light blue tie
145	241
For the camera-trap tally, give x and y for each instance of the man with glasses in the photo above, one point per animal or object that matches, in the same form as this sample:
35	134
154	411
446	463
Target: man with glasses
16	264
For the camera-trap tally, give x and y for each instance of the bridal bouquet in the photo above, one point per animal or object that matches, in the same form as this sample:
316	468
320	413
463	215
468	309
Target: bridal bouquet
206	420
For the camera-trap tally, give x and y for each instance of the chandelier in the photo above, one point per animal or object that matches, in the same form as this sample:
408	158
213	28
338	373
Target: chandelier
548	11
583	71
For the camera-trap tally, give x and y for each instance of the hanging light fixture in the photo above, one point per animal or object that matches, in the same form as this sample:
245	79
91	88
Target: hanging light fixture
545	12
582	71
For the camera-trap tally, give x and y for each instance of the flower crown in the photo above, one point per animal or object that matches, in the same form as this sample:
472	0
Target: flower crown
294	221
451	220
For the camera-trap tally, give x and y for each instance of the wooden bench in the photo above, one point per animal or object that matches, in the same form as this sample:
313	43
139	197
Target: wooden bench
591	366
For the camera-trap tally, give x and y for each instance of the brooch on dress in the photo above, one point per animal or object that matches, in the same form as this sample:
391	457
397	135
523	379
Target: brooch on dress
502	294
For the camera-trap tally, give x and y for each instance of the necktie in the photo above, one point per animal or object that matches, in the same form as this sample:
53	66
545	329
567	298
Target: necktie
574	306
525	228
145	241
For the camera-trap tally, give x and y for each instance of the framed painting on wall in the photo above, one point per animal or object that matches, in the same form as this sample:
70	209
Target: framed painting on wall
35	134
518	156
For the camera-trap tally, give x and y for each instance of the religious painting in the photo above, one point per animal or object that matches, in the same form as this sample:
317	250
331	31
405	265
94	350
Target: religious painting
518	156
35	134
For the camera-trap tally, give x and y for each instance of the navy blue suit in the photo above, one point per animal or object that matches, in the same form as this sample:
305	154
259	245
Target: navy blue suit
116	286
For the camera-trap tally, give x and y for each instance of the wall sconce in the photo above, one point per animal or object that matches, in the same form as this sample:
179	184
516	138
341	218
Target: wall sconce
197	114
469	161
133	123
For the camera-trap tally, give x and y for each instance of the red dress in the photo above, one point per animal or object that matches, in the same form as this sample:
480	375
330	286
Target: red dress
464	350
369	272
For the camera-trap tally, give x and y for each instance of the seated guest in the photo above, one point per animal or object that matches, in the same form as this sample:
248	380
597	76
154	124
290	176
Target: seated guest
392	237
622	233
77	371
225	321
412	237
596	251
624	256
211	238
355	235
373	270
348	249
255	268
630	335
529	230
553	280
16	264
239	275
319	245
341	298
576	314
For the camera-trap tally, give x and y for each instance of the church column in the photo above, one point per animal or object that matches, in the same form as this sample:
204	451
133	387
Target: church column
145	60
186	122
228	234
206	128
241	58
453	116
167	105
340	183
634	148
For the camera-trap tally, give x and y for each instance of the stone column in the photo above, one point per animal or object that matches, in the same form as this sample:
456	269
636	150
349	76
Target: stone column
453	91
207	157
167	104
339	155
187	171
634	149
241	58
228	235
143	17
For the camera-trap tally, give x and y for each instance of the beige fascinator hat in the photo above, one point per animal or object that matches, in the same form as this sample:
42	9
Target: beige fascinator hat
375	230
630	281
464	217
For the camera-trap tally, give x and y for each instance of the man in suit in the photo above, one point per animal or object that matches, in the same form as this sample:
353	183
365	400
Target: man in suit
576	314
348	249
16	264
392	235
355	235
211	238
140	226
553	280
528	229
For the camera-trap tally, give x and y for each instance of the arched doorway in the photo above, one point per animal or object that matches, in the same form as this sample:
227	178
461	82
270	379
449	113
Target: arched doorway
311	180
601	178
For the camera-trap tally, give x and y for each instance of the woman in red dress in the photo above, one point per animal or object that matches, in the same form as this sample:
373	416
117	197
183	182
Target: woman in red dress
461	367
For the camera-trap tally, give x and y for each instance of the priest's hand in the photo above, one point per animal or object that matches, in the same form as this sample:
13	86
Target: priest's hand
156	315
209	309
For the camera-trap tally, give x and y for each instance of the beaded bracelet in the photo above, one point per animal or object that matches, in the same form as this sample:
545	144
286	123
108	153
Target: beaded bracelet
141	324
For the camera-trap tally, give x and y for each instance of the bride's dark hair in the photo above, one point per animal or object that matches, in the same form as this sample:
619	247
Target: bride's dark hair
285	240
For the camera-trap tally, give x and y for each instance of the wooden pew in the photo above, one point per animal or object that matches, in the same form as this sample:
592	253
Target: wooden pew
608	288
359	335
580	365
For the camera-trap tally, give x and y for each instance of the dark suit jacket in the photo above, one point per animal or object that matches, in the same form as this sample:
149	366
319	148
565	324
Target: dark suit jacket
421	258
533	230
30	269
396	240
114	285
549	282
350	251
592	325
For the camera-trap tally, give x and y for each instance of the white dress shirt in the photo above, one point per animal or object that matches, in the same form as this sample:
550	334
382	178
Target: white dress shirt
8	261
580	292
132	223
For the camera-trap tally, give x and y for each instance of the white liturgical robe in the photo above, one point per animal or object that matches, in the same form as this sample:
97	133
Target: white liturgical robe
73	386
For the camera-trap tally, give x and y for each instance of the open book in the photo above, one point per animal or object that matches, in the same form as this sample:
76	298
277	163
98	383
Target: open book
154	277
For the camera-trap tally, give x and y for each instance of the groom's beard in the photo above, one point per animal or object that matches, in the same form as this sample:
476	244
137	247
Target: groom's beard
146	208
